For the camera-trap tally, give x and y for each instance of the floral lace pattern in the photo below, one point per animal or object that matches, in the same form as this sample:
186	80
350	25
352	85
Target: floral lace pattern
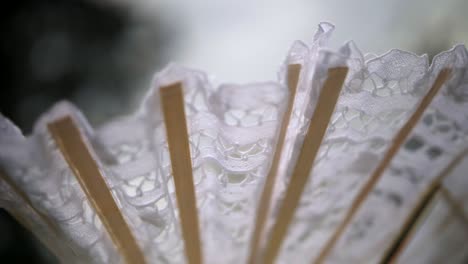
358	134
37	167
441	238
429	149
232	134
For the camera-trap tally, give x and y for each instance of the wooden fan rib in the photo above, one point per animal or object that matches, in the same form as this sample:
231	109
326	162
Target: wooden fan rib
75	151
415	226
397	246
312	141
439	193
265	198
447	195
172	102
402	240
27	202
391	152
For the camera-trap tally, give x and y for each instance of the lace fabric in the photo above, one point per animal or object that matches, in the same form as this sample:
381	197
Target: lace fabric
233	133
378	98
442	228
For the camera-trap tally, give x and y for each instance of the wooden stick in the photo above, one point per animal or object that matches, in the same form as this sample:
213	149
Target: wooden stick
53	229
392	253
27	201
402	240
265	199
313	139
413	227
454	204
391	152
172	101
70	142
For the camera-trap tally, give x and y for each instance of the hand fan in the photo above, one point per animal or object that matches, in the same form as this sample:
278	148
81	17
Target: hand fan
345	159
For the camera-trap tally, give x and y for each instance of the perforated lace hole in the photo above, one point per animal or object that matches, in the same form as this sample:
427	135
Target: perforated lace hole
235	178
414	144
433	152
161	204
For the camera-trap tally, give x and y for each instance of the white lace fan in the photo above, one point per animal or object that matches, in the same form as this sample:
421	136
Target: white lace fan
344	160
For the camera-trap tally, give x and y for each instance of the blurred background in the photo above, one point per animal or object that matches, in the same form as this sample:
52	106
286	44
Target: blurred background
101	55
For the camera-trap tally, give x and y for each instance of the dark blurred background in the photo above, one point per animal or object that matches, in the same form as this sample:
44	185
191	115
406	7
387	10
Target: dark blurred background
95	54
101	54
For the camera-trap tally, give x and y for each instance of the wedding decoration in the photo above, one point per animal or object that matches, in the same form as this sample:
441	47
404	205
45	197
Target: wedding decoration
347	158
